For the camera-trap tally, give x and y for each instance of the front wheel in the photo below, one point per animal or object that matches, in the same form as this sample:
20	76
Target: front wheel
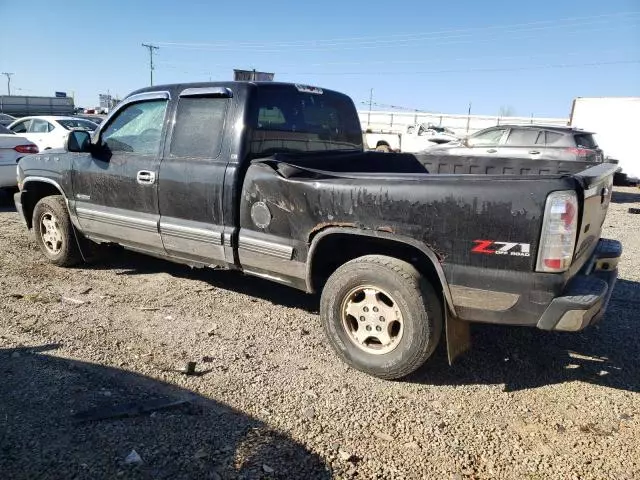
381	316
54	233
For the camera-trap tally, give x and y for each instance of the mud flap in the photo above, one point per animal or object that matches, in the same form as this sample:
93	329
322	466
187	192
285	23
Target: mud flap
80	241
458	336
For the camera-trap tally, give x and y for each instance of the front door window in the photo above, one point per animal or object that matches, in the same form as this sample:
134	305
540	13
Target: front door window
137	129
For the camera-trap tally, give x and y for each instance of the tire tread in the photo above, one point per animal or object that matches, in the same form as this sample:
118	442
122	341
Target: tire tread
429	331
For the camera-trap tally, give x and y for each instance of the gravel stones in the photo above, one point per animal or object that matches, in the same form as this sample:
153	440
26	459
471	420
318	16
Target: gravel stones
276	398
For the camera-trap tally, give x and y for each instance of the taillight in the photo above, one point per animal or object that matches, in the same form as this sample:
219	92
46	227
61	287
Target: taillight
580	152
559	229
26	149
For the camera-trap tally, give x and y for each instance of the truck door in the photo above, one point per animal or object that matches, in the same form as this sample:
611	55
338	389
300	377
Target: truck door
192	177
116	189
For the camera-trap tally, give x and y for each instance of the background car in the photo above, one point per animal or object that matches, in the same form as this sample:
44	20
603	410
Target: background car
430	127
12	148
528	141
92	118
49	132
6	120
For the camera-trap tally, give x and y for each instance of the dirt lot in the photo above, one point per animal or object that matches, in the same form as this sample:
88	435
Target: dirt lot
270	400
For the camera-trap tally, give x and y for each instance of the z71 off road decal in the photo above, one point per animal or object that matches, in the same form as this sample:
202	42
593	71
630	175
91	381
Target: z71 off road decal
491	247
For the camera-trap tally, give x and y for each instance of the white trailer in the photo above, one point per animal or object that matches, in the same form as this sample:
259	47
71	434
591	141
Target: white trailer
615	122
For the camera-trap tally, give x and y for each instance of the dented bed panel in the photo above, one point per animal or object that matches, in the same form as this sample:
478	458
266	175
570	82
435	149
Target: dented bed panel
491	224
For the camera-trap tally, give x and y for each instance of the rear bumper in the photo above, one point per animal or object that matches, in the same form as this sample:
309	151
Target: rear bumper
587	295
8	175
537	299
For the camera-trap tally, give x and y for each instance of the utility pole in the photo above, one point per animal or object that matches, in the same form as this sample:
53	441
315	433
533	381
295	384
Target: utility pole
370	104
151	49
8	75
468	117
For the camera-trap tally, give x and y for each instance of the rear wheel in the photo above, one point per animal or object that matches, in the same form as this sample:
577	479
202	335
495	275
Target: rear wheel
383	148
54	233
381	316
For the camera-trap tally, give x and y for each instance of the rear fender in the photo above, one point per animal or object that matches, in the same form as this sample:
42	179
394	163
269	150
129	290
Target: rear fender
391	237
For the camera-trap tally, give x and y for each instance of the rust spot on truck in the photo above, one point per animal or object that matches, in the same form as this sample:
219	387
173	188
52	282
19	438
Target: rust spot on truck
386	229
321	226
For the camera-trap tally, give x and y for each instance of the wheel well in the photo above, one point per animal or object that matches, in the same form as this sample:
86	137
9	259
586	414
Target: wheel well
33	193
337	249
382	142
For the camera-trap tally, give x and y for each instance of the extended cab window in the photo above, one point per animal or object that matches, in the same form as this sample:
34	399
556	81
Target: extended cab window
198	128
286	118
137	128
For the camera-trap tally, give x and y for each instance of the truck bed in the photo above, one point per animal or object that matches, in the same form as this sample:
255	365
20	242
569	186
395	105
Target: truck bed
378	163
499	165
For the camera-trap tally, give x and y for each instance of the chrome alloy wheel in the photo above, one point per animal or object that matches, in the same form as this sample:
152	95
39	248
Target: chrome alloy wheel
372	320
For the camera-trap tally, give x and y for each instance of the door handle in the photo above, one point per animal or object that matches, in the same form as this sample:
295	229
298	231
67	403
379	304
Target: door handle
534	152
145	177
492	150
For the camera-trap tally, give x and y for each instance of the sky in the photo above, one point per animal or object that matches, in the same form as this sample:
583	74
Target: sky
524	58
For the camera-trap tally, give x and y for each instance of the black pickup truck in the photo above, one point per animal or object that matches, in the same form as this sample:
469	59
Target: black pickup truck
271	179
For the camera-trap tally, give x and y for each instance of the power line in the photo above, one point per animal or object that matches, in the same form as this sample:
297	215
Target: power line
8	75
457	40
404	38
184	65
464	70
151	49
454	70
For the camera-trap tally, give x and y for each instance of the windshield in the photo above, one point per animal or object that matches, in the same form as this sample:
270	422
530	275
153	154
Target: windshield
5	131
78	124
287	118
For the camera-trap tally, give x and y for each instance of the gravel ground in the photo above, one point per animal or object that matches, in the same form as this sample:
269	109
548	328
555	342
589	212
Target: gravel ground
270	400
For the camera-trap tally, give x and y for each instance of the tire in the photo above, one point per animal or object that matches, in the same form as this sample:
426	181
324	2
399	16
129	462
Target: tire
414	314
383	148
54	233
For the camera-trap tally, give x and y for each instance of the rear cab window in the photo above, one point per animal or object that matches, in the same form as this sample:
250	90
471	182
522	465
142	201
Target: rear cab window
287	118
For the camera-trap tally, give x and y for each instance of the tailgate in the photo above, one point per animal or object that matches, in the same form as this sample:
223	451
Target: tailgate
597	184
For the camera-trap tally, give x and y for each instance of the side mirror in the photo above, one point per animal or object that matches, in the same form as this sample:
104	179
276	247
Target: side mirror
79	141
